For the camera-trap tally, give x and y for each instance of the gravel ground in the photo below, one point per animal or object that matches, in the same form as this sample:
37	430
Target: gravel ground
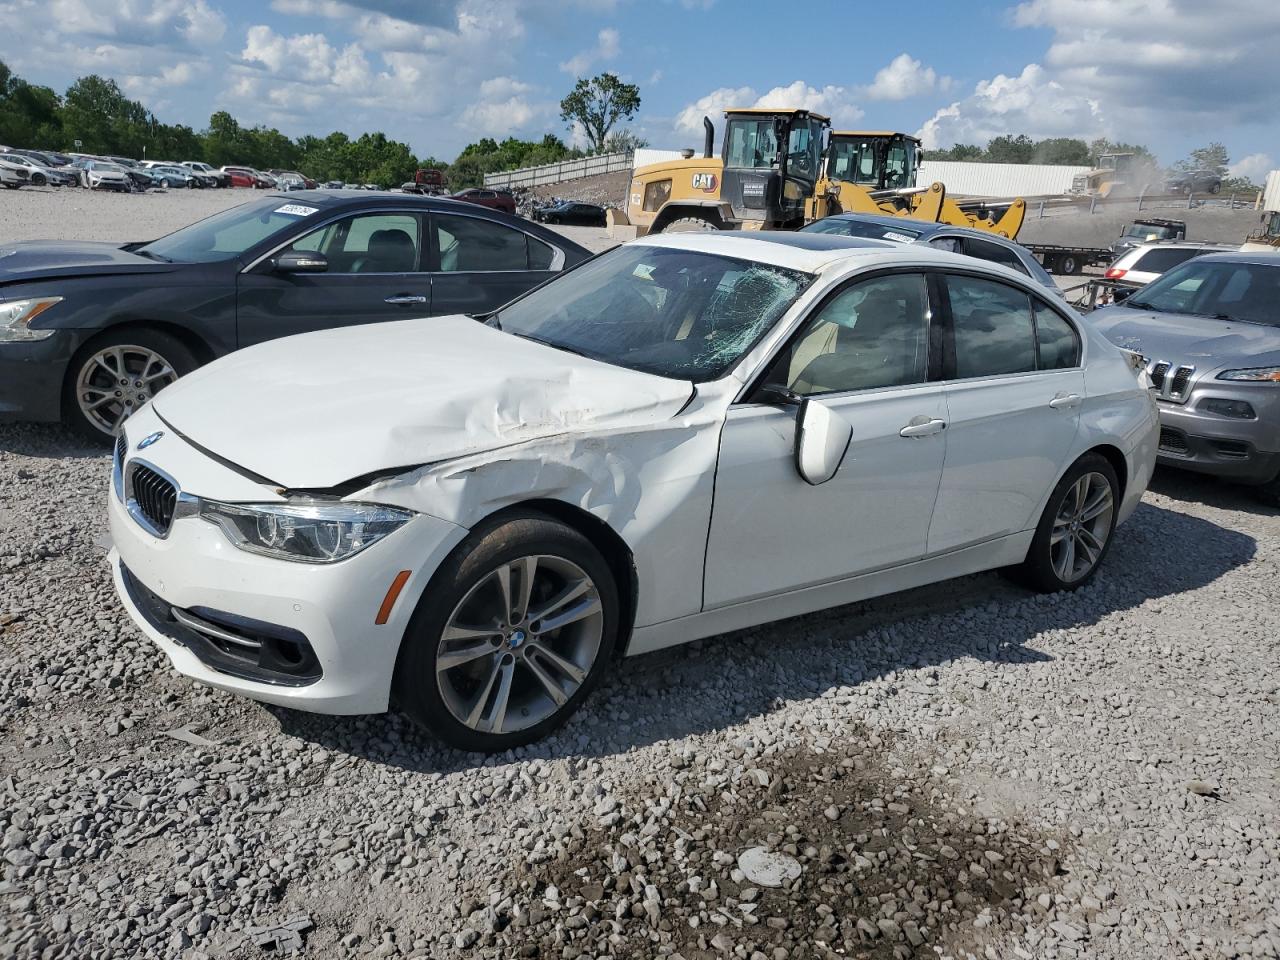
958	771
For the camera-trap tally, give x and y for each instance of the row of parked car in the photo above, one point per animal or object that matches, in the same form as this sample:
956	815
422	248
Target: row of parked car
40	168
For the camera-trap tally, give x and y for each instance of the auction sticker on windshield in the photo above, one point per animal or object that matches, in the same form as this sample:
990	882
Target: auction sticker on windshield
296	210
900	237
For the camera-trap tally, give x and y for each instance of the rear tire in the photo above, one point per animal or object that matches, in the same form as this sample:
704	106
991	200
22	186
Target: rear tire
1075	530
514	678
1069	264
690	225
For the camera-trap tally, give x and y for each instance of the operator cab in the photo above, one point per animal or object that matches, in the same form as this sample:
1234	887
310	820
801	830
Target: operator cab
772	161
875	159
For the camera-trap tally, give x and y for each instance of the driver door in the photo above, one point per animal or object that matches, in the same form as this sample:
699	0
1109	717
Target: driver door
865	354
374	274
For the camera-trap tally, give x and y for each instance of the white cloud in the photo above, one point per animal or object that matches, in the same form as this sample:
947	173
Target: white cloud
1032	103
904	77
835	102
608	45
1254	167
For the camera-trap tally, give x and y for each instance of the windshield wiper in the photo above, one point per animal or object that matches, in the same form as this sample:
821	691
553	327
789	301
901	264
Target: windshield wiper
488	319
557	346
152	256
1138	304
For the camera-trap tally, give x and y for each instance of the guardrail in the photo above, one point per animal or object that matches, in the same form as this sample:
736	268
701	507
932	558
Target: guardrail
559	172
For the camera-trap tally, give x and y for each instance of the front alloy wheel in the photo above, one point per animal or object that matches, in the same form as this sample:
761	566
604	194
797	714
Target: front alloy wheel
113	376
520	644
512	633
116	381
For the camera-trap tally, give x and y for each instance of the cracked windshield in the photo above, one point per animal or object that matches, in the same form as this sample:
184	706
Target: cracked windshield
675	313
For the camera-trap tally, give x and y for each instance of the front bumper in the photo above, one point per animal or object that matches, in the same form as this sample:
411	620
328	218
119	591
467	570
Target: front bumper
31	376
1247	451
345	662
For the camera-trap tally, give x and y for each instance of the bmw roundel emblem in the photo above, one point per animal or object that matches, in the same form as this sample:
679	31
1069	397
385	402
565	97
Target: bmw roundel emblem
149	439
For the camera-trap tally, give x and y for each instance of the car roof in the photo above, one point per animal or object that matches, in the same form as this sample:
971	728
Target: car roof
1261	257
926	228
812	253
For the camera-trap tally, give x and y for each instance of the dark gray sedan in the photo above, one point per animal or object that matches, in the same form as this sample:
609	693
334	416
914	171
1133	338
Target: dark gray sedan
90	331
1209	331
974	243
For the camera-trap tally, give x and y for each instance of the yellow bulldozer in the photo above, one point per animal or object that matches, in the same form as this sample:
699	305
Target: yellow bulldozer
781	169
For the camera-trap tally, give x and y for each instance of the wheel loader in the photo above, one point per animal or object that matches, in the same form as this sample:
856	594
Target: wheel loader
780	169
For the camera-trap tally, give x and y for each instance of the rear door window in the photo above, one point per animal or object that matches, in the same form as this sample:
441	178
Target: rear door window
994	330
1160	261
472	245
993	252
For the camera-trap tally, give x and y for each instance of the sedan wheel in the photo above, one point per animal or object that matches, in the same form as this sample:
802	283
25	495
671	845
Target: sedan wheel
1075	529
512	633
520	644
1082	527
112	379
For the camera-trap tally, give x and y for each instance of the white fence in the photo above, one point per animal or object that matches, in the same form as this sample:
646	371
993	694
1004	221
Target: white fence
559	172
999	179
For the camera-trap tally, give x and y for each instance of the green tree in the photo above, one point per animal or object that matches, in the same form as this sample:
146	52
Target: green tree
1213	157
1063	151
1102	145
30	116
1008	149
598	104
624	141
96	112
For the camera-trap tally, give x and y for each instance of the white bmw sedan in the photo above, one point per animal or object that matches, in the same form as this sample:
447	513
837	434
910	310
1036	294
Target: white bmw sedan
472	518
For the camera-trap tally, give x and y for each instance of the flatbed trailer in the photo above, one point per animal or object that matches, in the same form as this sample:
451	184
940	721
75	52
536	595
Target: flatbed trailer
1068	260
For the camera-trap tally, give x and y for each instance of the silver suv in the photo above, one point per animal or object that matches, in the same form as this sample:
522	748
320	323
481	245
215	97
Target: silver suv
1209	331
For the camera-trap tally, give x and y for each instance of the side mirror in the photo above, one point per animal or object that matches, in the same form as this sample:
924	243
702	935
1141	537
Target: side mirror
1121	294
301	261
822	439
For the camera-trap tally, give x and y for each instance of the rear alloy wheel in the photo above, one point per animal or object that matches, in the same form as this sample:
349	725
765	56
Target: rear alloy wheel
1075	529
112	379
513	632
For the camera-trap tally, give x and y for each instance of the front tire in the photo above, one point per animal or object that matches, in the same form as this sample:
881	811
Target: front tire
111	377
514	631
1075	530
690	225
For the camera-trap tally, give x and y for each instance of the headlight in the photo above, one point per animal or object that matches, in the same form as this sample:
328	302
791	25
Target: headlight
309	533
16	317
1254	374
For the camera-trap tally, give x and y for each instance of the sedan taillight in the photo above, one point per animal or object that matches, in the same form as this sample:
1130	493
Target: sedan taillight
1114	274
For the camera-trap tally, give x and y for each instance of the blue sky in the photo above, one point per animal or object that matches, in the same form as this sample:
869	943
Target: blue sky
440	73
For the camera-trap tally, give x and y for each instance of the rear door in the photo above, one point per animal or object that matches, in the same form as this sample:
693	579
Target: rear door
374	274
478	264
1014	388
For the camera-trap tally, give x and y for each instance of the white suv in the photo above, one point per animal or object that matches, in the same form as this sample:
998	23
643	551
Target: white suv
1142	264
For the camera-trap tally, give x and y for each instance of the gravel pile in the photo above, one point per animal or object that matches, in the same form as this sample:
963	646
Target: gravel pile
965	771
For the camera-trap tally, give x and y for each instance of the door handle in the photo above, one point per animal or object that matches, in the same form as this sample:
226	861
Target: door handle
923	427
1065	401
405	298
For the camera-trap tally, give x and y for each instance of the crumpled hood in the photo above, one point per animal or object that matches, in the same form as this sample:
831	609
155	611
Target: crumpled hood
36	259
1178	338
315	410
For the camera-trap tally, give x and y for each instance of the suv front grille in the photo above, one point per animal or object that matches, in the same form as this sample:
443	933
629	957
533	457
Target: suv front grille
1169	382
154	497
